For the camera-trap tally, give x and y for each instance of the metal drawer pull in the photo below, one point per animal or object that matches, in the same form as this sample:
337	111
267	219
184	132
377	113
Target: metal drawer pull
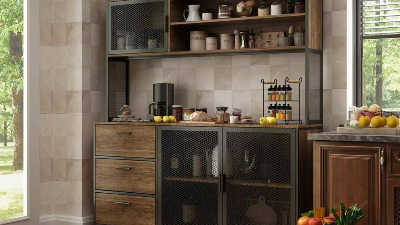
123	168
397	157
123	203
124	133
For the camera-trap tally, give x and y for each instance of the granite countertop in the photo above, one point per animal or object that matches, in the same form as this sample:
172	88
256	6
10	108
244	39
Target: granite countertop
333	136
290	126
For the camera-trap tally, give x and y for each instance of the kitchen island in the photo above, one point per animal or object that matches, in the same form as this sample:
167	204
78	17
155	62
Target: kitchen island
358	168
204	173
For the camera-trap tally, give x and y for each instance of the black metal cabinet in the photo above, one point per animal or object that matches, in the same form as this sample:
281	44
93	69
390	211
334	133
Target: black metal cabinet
220	176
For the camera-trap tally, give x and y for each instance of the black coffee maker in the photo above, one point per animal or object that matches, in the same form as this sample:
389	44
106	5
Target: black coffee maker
163	99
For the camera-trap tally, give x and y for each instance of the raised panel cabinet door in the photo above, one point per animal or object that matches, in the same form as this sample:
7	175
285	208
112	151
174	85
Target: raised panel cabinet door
126	176
393	156
393	202
126	141
125	210
349	173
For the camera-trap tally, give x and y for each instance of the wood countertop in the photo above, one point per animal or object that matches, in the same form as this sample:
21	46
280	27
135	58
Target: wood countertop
282	126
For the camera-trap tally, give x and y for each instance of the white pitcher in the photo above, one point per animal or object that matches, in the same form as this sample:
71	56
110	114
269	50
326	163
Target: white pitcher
194	14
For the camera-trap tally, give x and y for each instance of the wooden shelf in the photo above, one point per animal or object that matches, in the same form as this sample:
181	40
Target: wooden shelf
211	180
213	52
295	17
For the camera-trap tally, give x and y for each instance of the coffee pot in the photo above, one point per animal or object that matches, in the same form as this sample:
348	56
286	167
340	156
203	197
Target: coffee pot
163	99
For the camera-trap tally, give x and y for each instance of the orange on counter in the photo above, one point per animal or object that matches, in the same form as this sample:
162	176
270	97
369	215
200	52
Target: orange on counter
303	220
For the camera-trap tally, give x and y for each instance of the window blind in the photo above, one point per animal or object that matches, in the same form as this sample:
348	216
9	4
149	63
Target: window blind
380	19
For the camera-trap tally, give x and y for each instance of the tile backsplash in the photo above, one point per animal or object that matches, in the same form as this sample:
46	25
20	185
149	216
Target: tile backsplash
208	82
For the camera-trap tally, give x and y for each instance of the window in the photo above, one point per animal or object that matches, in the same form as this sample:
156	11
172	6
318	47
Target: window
378	67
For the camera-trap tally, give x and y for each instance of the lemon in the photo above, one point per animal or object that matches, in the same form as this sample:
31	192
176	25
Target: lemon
392	122
263	121
364	121
376	121
383	118
165	119
172	119
158	119
272	121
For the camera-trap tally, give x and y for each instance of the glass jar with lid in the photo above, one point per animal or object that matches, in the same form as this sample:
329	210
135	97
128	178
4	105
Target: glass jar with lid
187	112
221	109
125	110
289	93
177	112
263	10
289	113
299	6
237	112
290	6
225	10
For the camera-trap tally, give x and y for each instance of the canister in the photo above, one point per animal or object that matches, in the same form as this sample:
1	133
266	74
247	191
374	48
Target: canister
198	40
227	41
276	8
187	112
211	43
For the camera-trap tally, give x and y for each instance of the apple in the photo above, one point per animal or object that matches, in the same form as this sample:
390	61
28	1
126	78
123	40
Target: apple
315	221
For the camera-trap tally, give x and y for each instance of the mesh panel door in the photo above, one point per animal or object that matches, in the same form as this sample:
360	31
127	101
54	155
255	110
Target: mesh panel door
397	206
259	186
137	26
117	87
190	168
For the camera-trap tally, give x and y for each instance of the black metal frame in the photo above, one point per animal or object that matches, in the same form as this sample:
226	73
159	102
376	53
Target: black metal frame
127	86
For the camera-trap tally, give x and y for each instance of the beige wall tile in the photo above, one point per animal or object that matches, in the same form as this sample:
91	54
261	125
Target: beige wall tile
74	101
205	99
153	76
223	78
87	175
59	124
59	193
171	75
327	76
74	210
205	61
59	147
327	24
241	60
74	33
46	11
74	170
87	142
74	121
74	147
95	30
59	34
339	75
46	209
259	59
296	71
95	104
339	103
60	57
86	79
327	53
59	76
74	79
337	120
95	12
187	99
86	102
45	145
74	11
327	5
279	72
74	192
223	61
339	49
204	78
45	79
96	57
258	72
327	122
46	57
60	11
59	169
75	56
138	63
339	5
240	77
87	126
327	104
169	63
223	98
339	27
87	189
95	80
46	125
59	102
45	102
242	100
46	191
45	170
59	209
256	102
86	56
279	59
45	34
187	79
154	63
86	11
187	62
138	79
139	102
86	33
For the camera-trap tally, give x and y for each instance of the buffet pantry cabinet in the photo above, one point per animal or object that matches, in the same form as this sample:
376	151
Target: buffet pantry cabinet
364	173
125	175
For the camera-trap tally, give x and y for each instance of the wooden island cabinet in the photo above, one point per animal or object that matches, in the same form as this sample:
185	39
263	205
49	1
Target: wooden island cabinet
364	173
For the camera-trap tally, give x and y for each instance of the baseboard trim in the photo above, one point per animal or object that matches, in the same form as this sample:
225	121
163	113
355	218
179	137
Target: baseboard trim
61	218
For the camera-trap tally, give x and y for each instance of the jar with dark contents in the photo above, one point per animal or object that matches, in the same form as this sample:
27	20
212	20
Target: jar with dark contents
237	112
290	6
300	6
177	112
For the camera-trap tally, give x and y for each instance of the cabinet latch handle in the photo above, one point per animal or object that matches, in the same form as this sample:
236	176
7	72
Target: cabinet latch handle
123	168
123	203
382	161
397	157
124	133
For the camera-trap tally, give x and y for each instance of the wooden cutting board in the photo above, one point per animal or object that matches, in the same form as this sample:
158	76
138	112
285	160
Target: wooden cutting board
368	130
262	38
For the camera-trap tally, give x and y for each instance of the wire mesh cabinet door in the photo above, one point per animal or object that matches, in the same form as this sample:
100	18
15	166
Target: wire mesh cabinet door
189	166
260	176
137	26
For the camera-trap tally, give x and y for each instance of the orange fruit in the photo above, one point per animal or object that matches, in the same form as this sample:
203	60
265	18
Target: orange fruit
303	220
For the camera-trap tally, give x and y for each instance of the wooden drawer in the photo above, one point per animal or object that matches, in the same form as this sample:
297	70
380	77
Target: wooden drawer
126	141
126	176
125	210
393	163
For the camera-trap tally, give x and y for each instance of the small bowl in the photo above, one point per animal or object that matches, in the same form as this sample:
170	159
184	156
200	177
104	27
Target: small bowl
244	11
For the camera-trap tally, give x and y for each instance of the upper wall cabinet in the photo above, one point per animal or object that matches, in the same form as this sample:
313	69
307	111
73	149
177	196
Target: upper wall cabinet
137	26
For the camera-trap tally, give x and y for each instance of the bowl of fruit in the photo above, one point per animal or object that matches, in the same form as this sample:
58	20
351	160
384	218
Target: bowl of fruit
343	216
